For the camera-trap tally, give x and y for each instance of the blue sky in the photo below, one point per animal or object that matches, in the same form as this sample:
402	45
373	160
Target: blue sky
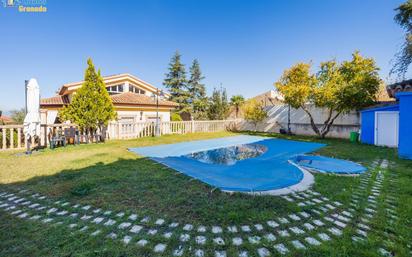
243	45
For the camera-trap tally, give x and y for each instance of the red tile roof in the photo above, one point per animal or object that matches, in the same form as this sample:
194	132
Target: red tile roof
5	120
132	98
123	98
55	100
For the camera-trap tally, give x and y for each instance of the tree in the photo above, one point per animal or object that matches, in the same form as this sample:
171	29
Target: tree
18	115
197	92
339	88
218	105
237	101
404	57
91	106
175	117
176	83
254	112
382	94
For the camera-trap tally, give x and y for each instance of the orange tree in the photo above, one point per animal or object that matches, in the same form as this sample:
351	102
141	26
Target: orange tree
336	87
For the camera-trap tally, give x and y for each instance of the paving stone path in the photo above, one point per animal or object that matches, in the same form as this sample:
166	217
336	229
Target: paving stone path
321	220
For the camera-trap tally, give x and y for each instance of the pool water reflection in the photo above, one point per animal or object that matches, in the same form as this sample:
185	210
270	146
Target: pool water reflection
229	155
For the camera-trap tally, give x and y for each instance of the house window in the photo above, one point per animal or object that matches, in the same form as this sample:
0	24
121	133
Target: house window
115	89
126	119
136	90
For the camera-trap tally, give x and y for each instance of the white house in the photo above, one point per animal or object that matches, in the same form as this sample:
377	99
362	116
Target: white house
134	100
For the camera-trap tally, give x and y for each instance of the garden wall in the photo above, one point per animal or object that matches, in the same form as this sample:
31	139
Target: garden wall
300	123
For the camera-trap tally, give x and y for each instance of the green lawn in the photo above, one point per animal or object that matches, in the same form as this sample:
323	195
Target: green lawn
109	177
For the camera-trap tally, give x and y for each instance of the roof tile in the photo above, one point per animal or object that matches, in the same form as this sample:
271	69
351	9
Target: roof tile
123	98
132	98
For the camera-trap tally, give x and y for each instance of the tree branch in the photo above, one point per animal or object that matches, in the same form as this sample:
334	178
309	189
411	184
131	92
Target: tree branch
325	131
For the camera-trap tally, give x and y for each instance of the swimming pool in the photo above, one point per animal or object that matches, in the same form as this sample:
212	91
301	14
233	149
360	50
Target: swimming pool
229	155
328	165
250	164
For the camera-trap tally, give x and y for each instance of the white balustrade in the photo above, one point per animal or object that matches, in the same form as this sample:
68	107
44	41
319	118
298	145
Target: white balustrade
12	136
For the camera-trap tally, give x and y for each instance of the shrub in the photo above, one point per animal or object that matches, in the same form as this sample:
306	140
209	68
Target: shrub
175	117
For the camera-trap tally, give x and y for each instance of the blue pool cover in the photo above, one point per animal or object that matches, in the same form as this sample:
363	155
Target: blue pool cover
268	171
328	165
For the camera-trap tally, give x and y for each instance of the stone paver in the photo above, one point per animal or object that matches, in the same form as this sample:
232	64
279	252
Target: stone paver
136	229
254	239
270	237
199	253
281	248
324	236
294	222
298	245
220	254
142	242
272	224
127	239
237	241
219	241
184	237
159	248
201	240
312	241
263	252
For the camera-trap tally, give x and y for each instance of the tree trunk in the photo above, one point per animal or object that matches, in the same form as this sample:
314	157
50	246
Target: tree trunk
328	125
312	122
103	133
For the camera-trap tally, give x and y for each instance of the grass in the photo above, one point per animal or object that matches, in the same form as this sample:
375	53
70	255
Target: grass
108	176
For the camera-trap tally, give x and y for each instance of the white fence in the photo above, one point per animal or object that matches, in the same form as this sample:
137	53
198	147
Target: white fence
120	130
12	136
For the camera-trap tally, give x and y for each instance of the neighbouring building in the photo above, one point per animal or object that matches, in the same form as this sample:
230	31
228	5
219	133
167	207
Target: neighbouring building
5	120
269	98
133	99
390	124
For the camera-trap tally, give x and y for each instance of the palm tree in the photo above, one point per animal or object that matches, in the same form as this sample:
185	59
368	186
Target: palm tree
237	101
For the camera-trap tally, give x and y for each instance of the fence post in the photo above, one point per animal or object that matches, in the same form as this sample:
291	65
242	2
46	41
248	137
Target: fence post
119	128
11	138
18	137
42	136
4	138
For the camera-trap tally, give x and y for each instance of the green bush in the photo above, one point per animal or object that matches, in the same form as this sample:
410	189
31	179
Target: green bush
176	117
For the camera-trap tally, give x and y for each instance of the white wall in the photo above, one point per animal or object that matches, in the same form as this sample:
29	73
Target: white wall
300	122
138	116
46	115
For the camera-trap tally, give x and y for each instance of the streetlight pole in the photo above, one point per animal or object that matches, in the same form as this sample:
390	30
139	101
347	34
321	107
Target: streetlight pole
157	113
289	132
157	128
